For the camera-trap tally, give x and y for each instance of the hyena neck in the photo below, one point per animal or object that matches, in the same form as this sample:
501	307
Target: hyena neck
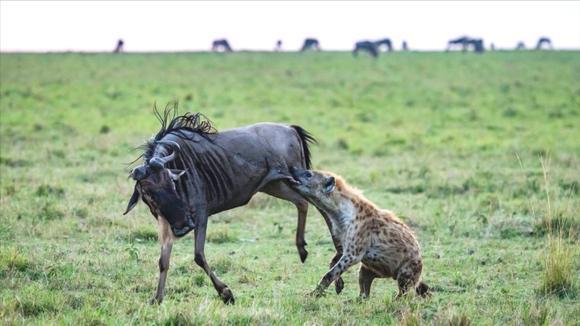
343	216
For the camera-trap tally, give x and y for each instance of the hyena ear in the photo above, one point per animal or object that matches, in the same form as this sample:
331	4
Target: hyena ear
133	201
329	185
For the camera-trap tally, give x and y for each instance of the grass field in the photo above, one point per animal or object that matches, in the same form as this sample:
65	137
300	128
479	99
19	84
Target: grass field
480	154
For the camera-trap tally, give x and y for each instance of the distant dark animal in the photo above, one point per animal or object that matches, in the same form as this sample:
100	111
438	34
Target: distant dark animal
191	171
386	43
477	45
278	46
492	47
405	46
310	44
521	46
221	45
465	43
366	46
119	47
544	41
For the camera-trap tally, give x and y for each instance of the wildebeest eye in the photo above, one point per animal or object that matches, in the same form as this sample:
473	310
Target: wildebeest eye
308	174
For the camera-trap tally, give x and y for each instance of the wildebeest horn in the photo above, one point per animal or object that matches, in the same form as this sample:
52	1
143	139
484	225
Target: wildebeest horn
161	161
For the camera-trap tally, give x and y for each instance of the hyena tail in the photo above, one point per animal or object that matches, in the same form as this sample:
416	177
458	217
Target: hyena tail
422	289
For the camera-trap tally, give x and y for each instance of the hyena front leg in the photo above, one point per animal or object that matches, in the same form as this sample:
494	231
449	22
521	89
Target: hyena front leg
347	260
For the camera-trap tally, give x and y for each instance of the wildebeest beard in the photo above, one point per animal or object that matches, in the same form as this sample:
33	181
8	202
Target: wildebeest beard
169	205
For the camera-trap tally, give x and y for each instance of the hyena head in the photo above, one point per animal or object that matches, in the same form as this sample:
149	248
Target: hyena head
317	187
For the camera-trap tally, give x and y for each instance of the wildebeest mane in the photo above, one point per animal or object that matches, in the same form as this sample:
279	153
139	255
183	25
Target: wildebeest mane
179	125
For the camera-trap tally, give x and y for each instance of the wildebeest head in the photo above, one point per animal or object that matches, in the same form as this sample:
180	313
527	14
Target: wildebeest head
156	186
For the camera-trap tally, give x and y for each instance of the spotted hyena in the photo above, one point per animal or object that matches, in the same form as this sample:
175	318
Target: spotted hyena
376	237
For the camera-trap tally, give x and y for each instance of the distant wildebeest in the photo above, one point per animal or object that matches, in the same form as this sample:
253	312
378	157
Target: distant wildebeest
386	43
461	41
310	44
366	46
191	171
376	237
477	45
521	46
221	45
544	41
465	43
119	47
278	46
405	46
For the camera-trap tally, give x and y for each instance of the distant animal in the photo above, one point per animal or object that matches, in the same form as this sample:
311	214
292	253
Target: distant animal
477	45
119	47
366	46
492	47
465	43
191	171
386	43
310	44
405	46
278	46
544	41
376	237
521	46
221	45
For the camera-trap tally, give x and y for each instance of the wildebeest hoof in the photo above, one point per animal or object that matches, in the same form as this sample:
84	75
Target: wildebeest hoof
315	294
155	300
339	285
303	254
227	296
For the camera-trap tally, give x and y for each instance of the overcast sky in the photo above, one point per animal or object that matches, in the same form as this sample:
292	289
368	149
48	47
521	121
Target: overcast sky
182	26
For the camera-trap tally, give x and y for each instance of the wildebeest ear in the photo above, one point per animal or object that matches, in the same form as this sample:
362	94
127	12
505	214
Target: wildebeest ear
133	201
329	185
176	174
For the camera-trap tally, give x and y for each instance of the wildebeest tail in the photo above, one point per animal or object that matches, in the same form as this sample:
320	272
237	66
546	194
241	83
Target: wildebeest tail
306	138
422	289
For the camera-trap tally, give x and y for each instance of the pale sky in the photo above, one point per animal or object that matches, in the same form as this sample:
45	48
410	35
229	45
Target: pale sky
191	26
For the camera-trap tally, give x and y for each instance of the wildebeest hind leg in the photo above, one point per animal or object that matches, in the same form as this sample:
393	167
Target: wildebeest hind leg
280	190
222	289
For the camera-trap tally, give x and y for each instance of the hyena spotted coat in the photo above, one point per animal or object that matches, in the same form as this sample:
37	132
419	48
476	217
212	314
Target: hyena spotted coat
386	247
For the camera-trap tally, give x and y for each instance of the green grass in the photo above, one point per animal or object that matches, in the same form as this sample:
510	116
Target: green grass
450	142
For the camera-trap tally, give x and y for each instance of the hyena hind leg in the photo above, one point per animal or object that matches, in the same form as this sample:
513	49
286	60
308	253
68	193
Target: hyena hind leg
365	280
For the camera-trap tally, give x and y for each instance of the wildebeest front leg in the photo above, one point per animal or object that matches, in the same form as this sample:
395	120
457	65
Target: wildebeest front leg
222	289
163	267
166	240
342	265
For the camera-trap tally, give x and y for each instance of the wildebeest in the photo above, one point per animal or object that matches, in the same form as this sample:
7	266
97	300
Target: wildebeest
221	45
191	171
461	41
544	41
376	237
405	46
521	46
119	47
386	43
310	44
366	46
465	42
278	46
